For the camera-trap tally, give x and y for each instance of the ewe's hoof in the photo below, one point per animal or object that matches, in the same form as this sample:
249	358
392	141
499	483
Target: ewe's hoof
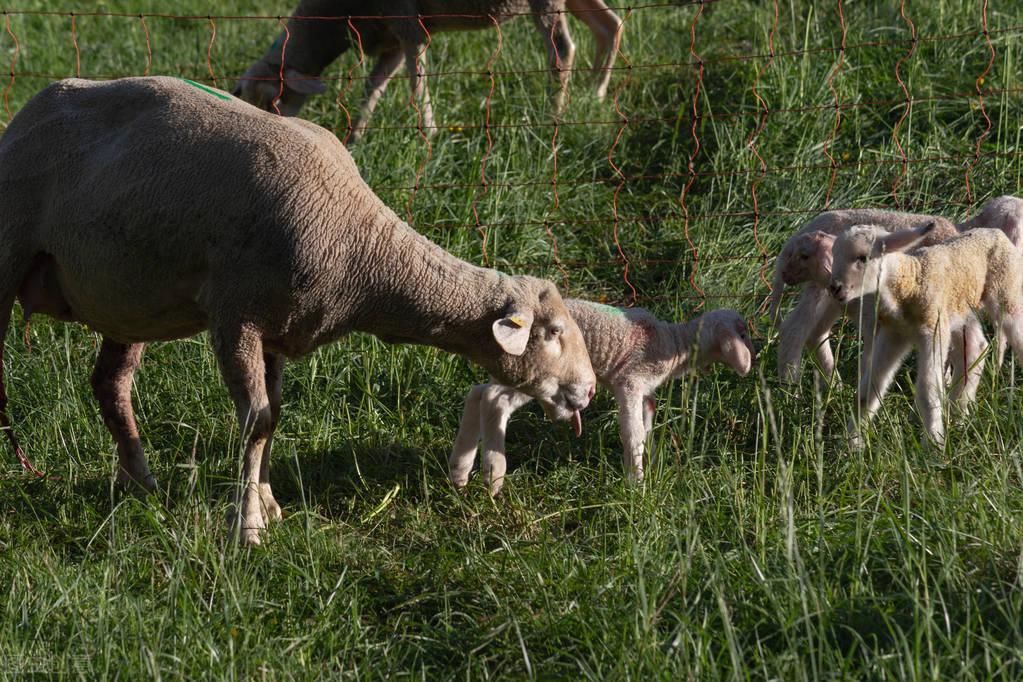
271	511
139	484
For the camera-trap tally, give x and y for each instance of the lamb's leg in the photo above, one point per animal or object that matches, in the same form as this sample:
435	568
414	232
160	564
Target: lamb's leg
415	65
463	453
1011	323
632	429
274	388
606	28
386	66
497	405
553	26
967	360
930	381
111	385
815	310
825	315
888	352
239	351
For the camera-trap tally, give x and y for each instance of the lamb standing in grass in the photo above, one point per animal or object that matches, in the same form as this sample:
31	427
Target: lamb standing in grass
922	299
154	208
633	353
402	34
806	259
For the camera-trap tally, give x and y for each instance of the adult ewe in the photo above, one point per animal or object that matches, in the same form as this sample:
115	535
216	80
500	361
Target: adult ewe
401	33
154	208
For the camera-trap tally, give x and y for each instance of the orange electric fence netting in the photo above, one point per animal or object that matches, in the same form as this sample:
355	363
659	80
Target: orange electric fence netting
697	110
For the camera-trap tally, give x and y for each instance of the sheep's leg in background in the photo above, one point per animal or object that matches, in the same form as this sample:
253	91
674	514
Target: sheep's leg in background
631	428
606	28
274	388
239	351
463	453
497	405
111	385
553	27
967	360
415	65
930	380
386	66
889	350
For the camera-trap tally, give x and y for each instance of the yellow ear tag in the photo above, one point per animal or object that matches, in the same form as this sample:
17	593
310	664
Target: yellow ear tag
517	321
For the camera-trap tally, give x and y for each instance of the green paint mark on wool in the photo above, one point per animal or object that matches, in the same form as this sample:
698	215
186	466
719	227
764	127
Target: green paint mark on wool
607	309
219	94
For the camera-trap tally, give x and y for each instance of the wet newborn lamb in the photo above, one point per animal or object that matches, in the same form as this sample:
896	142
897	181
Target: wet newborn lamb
633	353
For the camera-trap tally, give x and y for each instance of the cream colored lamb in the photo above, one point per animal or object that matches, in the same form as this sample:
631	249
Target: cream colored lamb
633	354
155	208
923	297
399	31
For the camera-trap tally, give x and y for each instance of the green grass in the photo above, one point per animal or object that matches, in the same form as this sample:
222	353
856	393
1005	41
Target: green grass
759	547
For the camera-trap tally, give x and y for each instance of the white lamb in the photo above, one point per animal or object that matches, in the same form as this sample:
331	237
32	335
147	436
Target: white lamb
633	353
921	299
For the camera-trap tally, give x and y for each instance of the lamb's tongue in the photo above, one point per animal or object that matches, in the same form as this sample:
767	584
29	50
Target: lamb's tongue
577	423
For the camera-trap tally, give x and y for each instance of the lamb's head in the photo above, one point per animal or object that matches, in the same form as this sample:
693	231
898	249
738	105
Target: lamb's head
724	338
543	353
807	258
261	85
859	255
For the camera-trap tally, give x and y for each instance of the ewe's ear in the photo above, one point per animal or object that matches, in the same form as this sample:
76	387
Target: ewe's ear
512	332
303	84
904	240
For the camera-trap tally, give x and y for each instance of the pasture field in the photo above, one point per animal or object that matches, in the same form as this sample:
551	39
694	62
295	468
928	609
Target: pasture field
760	546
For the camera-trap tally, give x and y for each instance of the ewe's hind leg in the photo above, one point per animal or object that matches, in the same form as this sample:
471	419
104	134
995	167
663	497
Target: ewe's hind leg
497	406
463	452
274	388
930	381
606	28
888	352
553	26
967	359
239	350
111	385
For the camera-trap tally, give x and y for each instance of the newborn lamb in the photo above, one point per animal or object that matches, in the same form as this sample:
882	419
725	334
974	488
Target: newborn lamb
633	353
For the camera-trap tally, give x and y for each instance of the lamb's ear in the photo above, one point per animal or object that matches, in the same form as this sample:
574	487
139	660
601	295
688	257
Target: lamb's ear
512	332
737	355
904	240
303	84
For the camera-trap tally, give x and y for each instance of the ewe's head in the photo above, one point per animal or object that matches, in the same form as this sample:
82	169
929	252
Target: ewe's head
859	257
543	354
260	86
807	258
724	338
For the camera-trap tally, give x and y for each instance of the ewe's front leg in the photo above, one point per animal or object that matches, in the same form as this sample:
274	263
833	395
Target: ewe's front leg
553	26
497	405
111	385
274	388
463	453
888	352
606	28
239	350
930	381
632	429
384	69
415	65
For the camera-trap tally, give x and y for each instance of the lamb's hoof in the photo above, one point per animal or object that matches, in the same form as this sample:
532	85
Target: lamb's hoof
856	442
459	481
249	537
494	487
246	530
271	511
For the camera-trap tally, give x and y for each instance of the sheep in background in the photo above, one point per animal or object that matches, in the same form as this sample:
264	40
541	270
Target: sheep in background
922	298
633	353
400	35
156	208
